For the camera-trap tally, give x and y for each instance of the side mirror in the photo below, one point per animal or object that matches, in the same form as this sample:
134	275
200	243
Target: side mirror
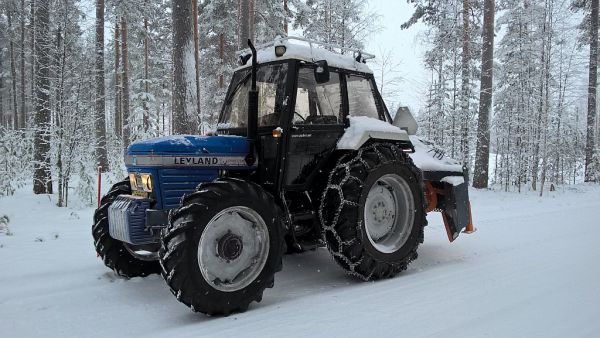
321	72
405	120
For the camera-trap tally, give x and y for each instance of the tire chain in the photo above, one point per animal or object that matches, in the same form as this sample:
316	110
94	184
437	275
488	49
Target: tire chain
330	228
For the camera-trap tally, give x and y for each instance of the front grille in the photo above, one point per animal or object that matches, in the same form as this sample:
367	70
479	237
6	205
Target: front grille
174	183
127	220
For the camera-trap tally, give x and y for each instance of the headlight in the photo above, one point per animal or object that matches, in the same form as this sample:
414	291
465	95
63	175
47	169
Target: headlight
133	181
280	51
146	182
140	182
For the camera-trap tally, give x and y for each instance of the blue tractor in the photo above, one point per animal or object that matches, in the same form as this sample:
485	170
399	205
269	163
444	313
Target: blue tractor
305	155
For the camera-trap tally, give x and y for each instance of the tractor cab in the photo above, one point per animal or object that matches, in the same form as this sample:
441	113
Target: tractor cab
305	98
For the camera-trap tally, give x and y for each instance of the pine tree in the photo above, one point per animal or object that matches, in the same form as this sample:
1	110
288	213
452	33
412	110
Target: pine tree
125	84
100	117
23	112
453	28
481	174
184	82
42	179
592	93
246	22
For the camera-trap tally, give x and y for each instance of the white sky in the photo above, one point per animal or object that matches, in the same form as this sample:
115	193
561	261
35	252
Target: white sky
406	49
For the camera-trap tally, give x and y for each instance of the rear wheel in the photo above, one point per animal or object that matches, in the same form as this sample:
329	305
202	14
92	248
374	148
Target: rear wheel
222	247
125	260
372	212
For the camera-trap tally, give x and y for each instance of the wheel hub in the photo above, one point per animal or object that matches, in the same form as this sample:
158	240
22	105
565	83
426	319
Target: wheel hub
230	246
382	211
233	248
389	213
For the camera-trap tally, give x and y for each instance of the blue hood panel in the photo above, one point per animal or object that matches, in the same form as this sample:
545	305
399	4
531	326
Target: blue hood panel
179	163
191	145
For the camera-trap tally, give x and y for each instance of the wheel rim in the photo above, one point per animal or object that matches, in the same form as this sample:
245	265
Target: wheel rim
233	249
389	213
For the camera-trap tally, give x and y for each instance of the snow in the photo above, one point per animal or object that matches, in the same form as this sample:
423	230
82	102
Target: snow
362	128
530	271
427	158
182	140
454	180
309	54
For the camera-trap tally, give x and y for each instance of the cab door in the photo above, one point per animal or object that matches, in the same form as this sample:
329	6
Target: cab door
317	123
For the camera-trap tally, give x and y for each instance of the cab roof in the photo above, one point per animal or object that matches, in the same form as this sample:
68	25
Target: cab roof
311	51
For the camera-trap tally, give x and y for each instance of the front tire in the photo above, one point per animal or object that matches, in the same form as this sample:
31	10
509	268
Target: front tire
222	247
372	212
114	253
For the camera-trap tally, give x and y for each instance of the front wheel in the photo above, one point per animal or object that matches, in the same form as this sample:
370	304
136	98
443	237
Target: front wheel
222	247
372	212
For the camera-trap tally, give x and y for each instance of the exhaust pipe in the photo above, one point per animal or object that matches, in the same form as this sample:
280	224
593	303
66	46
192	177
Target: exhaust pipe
252	110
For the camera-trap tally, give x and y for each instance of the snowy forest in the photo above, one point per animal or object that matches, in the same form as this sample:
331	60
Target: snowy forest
512	83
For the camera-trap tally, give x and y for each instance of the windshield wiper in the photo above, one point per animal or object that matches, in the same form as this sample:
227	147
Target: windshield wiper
237	86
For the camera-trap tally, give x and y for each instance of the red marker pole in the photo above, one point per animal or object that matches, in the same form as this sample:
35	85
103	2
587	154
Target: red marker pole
99	184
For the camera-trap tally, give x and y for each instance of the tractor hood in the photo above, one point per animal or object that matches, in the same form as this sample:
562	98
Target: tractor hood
189	151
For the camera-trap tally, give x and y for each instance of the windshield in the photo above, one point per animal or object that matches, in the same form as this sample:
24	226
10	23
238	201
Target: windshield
271	82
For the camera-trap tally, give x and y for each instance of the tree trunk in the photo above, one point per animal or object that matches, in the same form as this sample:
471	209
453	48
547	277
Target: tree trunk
146	118
101	156
200	116
1	92
22	115
118	105
184	84
544	119
42	179
32	47
59	62
541	103
482	158
465	76
285	18
13	73
245	28
125	84
592	92
222	58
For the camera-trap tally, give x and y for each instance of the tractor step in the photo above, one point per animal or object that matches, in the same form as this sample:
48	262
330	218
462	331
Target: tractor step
303	216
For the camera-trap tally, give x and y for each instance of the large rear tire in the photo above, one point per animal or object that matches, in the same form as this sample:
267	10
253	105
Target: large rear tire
373	213
222	247
114	254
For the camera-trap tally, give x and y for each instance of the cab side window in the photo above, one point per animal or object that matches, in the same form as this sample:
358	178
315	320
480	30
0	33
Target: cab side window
361	98
318	104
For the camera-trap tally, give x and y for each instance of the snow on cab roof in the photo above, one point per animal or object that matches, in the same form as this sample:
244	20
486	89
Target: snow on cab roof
311	51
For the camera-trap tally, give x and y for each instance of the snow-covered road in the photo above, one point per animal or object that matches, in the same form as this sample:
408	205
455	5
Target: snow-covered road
532	270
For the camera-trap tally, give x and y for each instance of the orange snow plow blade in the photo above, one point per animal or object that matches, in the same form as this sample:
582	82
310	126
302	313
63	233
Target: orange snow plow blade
453	202
470	227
